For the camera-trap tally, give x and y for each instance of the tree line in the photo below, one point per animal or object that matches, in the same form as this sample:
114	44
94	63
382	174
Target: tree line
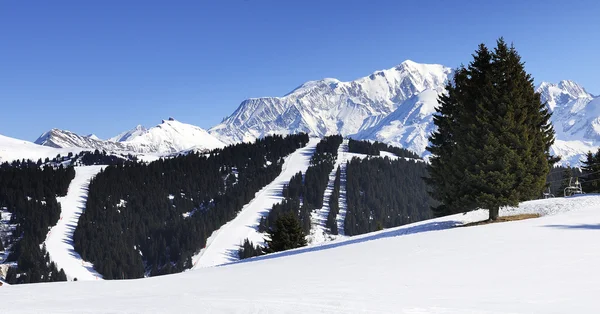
28	192
384	193
375	149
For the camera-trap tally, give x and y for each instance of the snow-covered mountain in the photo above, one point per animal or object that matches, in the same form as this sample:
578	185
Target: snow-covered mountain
64	139
168	137
576	118
396	106
329	106
409	126
138	130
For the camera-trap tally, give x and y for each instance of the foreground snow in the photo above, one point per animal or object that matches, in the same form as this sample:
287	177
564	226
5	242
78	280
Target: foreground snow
222	246
59	241
544	265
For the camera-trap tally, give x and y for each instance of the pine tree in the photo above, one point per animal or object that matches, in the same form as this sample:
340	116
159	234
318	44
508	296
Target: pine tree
287	234
566	181
491	146
591	172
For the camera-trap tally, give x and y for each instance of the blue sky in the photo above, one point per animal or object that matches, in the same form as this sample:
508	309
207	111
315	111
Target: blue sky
106	66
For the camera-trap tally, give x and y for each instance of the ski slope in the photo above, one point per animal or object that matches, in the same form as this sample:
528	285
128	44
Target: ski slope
318	232
543	265
59	241
222	246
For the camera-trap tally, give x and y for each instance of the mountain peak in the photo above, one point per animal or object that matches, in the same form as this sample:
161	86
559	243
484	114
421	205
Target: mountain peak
573	88
93	136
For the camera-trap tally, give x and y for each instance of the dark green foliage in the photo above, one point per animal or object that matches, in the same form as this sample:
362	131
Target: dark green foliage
101	158
248	250
317	174
134	221
334	205
294	188
286	234
384	193
591	172
375	148
491	146
29	192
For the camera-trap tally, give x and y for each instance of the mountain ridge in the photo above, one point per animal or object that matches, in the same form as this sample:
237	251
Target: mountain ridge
394	106
170	136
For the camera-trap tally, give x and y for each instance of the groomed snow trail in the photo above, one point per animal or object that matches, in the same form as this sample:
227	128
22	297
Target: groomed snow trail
345	156
59	241
318	232
222	246
543	265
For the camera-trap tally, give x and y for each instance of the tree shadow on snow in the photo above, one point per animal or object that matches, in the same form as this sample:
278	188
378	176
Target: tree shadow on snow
432	226
583	226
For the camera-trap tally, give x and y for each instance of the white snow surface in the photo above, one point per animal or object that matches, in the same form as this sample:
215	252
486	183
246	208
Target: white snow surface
223	245
543	265
124	136
13	149
59	241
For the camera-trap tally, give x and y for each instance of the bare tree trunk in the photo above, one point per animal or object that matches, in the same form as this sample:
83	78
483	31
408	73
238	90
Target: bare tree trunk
494	213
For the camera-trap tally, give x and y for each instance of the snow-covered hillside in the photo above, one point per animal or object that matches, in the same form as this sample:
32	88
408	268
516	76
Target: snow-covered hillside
543	265
12	149
222	246
170	136
329	106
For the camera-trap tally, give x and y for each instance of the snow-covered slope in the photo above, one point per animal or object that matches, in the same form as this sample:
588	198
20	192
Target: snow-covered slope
223	244
170	136
329	106
59	241
543	265
12	149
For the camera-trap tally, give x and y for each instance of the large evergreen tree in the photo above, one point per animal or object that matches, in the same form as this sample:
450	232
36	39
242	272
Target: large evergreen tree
591	172
491	146
287	234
